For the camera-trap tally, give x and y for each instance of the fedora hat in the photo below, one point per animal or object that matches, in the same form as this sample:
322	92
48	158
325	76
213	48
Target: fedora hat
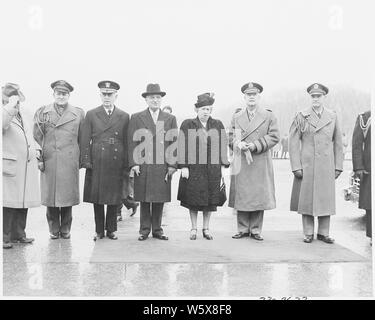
12	89
153	88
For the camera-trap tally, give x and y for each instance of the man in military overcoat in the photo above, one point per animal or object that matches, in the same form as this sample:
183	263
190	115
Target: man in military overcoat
56	129
316	157
104	155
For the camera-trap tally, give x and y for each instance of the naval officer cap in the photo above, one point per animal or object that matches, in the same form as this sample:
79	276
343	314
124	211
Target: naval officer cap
108	86
62	85
251	87
317	88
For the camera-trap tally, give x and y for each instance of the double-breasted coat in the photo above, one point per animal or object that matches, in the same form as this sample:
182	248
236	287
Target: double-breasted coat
104	154
252	185
361	155
204	162
20	168
154	149
58	137
315	147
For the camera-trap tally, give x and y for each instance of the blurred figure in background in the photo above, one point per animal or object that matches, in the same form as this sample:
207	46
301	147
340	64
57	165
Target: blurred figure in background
284	146
167	109
361	155
20	168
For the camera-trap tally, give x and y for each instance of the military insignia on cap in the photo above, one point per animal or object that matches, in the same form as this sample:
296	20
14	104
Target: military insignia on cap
316	86
251	85
107	84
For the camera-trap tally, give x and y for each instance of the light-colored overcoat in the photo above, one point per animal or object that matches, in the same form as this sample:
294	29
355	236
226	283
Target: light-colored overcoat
59	138
315	147
252	185
20	168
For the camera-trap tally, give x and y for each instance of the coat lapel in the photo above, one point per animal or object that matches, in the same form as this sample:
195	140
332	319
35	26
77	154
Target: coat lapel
147	120
113	119
250	126
324	120
68	115
18	123
311	117
102	115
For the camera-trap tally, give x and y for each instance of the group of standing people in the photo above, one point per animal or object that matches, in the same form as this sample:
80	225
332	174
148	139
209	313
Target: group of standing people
137	156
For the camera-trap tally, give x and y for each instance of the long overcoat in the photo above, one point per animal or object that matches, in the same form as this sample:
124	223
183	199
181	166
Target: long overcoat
252	185
154	149
361	155
20	168
315	147
58	137
104	148
203	153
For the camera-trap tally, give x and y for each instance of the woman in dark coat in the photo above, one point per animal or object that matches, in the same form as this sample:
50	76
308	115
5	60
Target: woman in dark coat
361	155
202	153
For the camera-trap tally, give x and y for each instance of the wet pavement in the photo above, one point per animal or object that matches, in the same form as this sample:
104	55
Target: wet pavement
79	267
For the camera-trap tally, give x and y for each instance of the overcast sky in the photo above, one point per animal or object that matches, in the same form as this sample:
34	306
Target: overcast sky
189	47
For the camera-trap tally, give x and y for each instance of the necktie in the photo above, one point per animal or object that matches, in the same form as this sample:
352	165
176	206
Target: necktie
109	112
155	117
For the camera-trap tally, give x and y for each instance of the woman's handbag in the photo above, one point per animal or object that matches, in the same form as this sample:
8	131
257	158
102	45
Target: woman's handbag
222	193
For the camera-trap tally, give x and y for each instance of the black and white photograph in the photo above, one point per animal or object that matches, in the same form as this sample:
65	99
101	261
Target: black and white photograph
164	150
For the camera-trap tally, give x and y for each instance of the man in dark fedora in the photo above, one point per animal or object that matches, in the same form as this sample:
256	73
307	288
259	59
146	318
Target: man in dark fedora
151	132
104	155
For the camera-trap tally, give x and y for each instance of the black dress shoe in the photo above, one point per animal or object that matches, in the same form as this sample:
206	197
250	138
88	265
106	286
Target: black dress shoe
53	236
142	237
112	235
240	235
7	245
160	236
308	238
98	236
23	240
257	237
326	239
65	235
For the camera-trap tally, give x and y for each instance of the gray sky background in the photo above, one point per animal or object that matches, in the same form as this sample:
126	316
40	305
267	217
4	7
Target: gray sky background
189	47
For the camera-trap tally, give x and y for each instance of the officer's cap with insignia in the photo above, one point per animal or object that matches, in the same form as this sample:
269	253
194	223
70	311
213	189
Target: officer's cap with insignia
317	88
108	86
62	85
251	87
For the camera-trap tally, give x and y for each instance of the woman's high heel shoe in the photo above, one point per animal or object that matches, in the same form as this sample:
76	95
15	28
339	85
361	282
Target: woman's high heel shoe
193	234
206	234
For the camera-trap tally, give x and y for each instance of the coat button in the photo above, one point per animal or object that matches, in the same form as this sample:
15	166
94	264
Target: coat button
115	150
103	149
116	133
114	157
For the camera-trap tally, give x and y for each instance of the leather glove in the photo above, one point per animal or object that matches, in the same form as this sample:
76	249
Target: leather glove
86	165
170	173
41	166
360	173
135	170
185	173
298	174
243	145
